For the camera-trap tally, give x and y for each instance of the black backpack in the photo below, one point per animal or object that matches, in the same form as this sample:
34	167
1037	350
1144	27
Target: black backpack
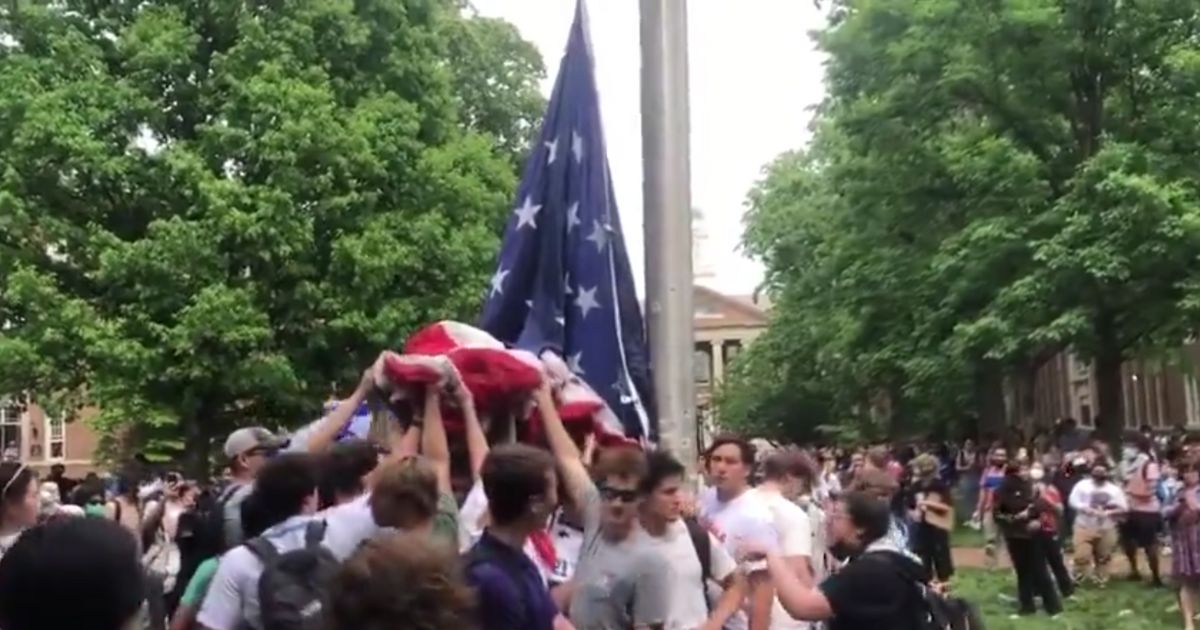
936	611
703	546
294	586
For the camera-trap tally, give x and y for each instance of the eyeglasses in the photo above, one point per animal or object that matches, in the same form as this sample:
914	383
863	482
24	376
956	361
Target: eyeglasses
615	494
11	480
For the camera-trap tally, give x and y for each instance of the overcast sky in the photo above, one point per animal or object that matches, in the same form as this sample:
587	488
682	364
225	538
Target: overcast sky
754	76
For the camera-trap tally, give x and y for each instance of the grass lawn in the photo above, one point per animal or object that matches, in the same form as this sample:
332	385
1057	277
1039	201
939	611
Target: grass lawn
1119	606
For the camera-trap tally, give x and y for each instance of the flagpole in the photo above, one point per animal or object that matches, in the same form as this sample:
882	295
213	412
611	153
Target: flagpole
666	199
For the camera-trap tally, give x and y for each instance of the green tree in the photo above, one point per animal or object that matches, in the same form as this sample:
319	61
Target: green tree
990	183
209	212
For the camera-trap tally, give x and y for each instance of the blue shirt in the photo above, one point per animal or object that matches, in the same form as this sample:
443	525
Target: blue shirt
509	589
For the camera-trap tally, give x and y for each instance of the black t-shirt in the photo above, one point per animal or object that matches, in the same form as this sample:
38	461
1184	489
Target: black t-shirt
873	593
929	489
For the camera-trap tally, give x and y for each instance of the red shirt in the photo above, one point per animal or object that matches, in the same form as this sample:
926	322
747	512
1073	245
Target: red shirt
1049	518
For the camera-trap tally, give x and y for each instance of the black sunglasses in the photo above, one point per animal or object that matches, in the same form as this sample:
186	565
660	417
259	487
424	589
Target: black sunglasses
615	494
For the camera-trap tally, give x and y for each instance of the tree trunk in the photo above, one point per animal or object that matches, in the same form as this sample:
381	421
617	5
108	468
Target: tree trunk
1110	417
197	446
989	399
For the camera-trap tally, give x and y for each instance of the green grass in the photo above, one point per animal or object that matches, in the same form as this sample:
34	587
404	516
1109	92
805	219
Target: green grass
964	536
1091	609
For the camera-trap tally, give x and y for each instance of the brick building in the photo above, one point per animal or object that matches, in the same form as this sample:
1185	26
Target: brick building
40	440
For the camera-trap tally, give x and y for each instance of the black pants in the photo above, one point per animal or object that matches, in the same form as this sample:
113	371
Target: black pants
932	545
1033	574
1054	557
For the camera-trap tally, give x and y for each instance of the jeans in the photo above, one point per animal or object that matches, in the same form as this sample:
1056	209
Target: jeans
1054	557
933	547
1033	575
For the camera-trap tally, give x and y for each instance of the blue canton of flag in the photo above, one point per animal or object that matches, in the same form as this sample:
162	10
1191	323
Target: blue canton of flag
563	281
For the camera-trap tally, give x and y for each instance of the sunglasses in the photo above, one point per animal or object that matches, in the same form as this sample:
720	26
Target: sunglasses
614	494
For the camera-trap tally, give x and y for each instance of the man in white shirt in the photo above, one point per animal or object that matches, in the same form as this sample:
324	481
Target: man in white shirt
1096	501
734	515
680	546
785	474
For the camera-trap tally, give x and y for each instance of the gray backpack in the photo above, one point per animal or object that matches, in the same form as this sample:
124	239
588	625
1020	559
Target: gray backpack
294	587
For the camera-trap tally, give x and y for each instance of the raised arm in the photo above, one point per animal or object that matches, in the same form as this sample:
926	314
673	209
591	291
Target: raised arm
477	445
327	431
433	438
570	461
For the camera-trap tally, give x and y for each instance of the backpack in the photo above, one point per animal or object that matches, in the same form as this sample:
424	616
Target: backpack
703	546
937	611
294	586
213	515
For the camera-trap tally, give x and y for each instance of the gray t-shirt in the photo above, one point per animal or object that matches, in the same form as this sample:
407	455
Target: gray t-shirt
232	511
618	585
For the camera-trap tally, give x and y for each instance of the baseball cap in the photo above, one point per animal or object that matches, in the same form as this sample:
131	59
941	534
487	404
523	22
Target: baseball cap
249	438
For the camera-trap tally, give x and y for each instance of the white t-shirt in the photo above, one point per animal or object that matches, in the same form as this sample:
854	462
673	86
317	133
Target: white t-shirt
688	608
794	532
471	518
745	518
568	541
233	595
1087	495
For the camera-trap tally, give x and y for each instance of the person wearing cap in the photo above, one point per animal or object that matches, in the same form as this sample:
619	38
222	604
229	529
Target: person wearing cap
248	448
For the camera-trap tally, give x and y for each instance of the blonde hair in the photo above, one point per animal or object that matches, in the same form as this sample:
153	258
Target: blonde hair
405	494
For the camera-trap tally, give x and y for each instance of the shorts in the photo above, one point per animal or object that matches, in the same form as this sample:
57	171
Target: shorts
1141	529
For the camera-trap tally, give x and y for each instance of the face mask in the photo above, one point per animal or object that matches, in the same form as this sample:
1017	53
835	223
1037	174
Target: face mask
1129	452
1037	474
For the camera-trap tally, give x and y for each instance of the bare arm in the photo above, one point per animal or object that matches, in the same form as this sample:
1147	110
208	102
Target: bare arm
762	595
800	601
433	438
570	461
477	445
406	444
730	602
325	434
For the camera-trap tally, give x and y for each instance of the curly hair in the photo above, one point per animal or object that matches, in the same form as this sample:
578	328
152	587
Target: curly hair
400	582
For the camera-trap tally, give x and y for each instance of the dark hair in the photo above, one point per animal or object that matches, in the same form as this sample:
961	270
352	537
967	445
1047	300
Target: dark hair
867	513
400	581
282	486
513	475
343	468
660	466
255	518
14	479
624	462
745	448
91	563
789	463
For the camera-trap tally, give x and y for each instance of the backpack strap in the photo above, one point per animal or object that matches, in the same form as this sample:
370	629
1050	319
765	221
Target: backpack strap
262	549
702	543
314	534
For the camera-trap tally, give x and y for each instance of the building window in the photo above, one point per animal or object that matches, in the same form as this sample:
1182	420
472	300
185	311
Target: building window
730	352
702	367
12	415
56	436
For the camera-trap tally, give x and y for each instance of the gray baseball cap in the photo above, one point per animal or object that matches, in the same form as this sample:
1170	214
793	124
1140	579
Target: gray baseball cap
247	439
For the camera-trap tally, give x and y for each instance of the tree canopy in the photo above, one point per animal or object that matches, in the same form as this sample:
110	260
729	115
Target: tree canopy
989	183
212	211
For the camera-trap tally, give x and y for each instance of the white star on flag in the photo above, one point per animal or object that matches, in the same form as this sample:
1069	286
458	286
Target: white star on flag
573	216
527	213
599	236
575	363
577	146
586	301
498	281
552	147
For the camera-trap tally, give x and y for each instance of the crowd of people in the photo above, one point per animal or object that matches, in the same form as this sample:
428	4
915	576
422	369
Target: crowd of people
312	532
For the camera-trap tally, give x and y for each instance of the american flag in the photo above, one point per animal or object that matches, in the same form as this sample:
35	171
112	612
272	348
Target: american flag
563	282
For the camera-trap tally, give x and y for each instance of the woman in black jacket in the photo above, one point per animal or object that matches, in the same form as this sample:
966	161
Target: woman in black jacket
1016	513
